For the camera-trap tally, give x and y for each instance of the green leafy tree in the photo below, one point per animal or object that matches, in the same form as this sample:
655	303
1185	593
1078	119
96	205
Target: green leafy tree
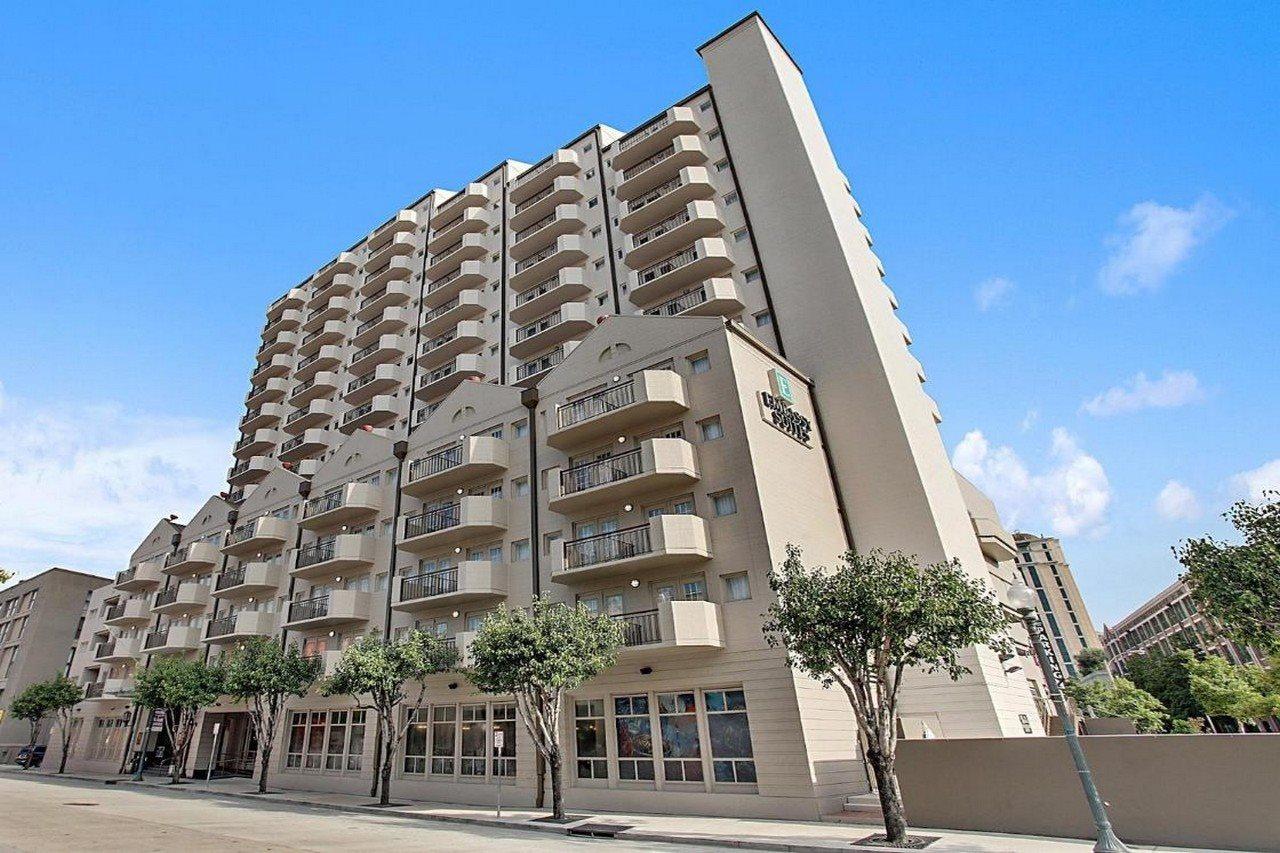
264	675
33	705
377	674
1090	660
179	687
63	695
1239	585
5	576
1168	678
864	624
1189	726
537	656
1243	693
1120	699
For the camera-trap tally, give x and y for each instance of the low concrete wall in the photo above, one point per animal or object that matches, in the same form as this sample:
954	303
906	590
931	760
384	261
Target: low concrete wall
1218	791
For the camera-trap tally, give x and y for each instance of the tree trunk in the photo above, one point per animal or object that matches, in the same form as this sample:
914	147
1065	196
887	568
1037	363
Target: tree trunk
66	747
895	816
540	798
557	801
377	760
265	757
388	759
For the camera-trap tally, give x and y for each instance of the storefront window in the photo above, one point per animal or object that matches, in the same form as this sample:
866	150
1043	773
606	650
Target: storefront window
635	737
444	725
504	720
681	750
329	740
415	741
473	740
589	731
730	734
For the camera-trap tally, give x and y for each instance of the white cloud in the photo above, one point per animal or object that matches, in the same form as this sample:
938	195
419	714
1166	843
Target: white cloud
1251	484
992	292
1154	240
1071	496
1173	388
81	485
1029	419
1177	502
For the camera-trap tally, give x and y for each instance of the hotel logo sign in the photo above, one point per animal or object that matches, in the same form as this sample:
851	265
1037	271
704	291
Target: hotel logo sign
776	409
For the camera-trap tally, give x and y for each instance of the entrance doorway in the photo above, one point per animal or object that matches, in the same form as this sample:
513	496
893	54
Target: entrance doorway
235	751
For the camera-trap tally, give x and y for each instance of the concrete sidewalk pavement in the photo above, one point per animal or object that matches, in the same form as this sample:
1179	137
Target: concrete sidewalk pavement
742	833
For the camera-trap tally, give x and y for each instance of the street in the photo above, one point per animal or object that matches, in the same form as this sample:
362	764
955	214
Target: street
42	814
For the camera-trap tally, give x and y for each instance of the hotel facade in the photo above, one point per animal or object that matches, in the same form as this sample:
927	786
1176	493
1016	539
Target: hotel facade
628	376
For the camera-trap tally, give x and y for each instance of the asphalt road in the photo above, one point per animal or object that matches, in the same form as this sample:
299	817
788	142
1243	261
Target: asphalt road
42	814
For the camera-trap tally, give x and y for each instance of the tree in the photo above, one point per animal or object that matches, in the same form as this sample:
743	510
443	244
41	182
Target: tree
264	675
1239	585
1090	660
63	695
180	688
537	656
376	675
33	705
863	624
1189	726
5	576
1244	693
1120	699
1166	677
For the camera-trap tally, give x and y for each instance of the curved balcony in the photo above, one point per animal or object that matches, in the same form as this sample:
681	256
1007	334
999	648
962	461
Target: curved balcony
282	342
339	607
337	308
256	443
470	580
185	599
343	505
567	284
404	221
567	189
119	650
250	470
265	534
342	555
383	379
690	184
198	558
644	397
467	305
176	639
467	336
326	358
536	178
247	580
565	251
470	517
345	263
474	457
472	195
661	166
267	391
331	333
470	220
392	321
287	321
653	137
665	541
310	443
109	690
563	219
400	243
672	626
715	297
570	321
471	247
260	417
241	626
145	575
381	411
320	384
530	373
444	379
341	284
276	367
397	268
292	300
657	464
469	276
386	348
316	414
698	219
126	613
396	293
702	260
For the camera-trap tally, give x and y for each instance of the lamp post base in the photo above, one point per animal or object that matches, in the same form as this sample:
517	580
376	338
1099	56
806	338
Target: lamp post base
1108	842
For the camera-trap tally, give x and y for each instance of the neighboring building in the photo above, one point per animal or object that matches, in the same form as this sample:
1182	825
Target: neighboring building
1167	623
1044	568
596	378
40	619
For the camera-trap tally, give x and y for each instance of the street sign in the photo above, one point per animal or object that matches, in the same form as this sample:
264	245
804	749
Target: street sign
499	738
157	720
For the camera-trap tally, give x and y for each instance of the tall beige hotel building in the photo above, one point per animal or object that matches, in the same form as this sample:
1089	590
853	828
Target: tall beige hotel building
627	375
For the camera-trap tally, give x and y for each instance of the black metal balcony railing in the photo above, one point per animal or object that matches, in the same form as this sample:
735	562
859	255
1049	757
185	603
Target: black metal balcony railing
325	503
668	265
308	361
539	256
304	386
680	304
292	443
114	612
251	414
600	472
155	639
126	575
229	578
357	413
439	341
535	227
435	463
653	195
428	584
537	290
437	231
242	533
373	297
441	310
535	170
639	628
607	547
105	649
651	160
445	280
644	133
447	251
377	272
438	374
669	224
540	364
311	608
361	381
533	199
166	596
93	690
365	352
320	552
221	627
594	405
239	468
178	556
294	417
537	326
255	390
433	520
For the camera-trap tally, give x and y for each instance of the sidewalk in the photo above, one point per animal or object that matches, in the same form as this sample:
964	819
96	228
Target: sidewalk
796	836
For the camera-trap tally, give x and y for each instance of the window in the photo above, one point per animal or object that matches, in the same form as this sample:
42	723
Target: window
700	362
704	106
737	587
520	550
591	173
600	264
332	740
752	274
593	202
740	235
722	165
595	232
504	720
474	740
521	429
711	429
521	487
635	737
415	741
589	739
764	318
681	749
730	736
714	133
731	197
444	725
725	503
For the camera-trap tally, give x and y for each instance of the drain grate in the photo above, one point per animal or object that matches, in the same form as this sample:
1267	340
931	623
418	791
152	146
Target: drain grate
599	830
80	804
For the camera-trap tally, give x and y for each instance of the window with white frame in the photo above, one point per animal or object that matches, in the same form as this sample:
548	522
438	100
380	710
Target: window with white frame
635	737
326	740
589	739
730	735
681	743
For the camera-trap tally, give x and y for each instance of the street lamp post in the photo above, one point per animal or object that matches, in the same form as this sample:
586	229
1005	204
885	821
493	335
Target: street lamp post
1023	600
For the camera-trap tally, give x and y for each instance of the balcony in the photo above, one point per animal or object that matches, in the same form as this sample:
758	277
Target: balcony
341	555
127	613
469	276
566	285
290	301
569	321
184	599
241	626
653	137
444	379
342	284
332	332
666	541
474	457
345	504
993	539
141	577
344	263
467	336
404	221
562	219
470	580
715	297
385	349
565	251
109	690
667	199
470	220
702	260
644	397
321	384
282	342
276	367
470	517
250	470
328	661
671	626
472	195
660	166
256	443
396	293
657	464
470	248
398	268
530	373
392	321
698	219
467	305
337	308
402	243
328	358
198	558
379	412
247	579
537	177
563	190
266	415
382	379
266	391
339	607
265	534
119	650
173	640
287	321
317	413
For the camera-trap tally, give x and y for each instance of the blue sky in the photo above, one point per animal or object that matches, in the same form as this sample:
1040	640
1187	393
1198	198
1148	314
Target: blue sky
1065	199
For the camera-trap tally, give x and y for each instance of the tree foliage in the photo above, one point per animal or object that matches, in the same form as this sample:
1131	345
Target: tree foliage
180	687
1168	678
863	624
1239	585
537	656
54	697
1090	660
1120	698
377	675
263	675
1244	693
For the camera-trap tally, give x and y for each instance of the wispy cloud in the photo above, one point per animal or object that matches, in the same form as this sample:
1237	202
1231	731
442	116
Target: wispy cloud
1071	495
1251	484
80	485
1177	502
993	292
1153	240
1174	388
